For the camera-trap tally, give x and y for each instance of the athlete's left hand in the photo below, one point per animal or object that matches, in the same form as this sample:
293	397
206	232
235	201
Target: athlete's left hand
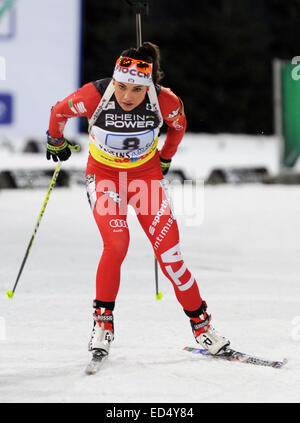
165	165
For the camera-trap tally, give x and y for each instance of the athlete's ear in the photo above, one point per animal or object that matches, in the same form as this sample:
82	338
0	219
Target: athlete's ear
147	88
114	82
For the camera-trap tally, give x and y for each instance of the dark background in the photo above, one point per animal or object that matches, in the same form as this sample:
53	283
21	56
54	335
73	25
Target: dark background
216	54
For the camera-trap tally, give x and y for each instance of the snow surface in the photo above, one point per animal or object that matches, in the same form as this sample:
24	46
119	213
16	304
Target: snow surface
245	256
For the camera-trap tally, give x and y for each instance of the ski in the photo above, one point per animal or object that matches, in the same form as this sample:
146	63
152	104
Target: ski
233	355
99	357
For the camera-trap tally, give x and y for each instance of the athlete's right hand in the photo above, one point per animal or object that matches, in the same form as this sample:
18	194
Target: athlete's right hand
59	148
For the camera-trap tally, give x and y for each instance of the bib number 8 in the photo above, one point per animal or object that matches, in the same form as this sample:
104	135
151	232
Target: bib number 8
131	143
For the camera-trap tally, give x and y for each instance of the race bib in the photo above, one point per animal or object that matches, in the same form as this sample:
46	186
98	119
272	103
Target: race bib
129	142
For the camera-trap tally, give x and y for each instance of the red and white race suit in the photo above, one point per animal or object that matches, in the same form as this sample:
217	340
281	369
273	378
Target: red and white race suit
124	169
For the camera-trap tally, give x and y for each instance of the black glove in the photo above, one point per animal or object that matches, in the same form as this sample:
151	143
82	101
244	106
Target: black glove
165	165
59	148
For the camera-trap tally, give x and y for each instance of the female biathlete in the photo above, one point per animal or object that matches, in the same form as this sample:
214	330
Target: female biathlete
124	167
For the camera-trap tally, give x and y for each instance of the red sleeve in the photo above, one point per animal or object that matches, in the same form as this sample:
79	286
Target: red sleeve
82	102
173	114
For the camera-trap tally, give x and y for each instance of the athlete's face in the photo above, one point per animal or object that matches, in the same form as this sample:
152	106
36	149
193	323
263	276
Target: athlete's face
129	96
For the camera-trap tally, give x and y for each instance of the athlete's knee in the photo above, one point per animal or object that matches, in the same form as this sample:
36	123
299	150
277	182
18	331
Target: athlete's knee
117	246
173	266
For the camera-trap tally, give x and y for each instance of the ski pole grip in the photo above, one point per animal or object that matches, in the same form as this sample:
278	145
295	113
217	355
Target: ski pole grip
74	147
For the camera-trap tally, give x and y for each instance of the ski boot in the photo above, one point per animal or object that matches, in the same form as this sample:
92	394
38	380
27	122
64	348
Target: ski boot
205	334
102	332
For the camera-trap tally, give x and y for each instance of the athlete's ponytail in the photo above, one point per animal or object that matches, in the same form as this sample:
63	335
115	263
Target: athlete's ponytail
148	52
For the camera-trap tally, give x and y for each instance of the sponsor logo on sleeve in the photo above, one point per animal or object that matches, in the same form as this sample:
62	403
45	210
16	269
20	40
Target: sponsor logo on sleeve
77	107
173	113
177	125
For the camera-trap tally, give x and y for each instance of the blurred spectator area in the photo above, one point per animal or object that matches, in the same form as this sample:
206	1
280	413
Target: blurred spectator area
222	158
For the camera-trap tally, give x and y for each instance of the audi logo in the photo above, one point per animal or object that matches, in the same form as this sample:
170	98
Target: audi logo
118	223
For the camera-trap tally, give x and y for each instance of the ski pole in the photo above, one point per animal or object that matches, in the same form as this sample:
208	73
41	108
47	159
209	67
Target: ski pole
158	294
10	294
142	8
